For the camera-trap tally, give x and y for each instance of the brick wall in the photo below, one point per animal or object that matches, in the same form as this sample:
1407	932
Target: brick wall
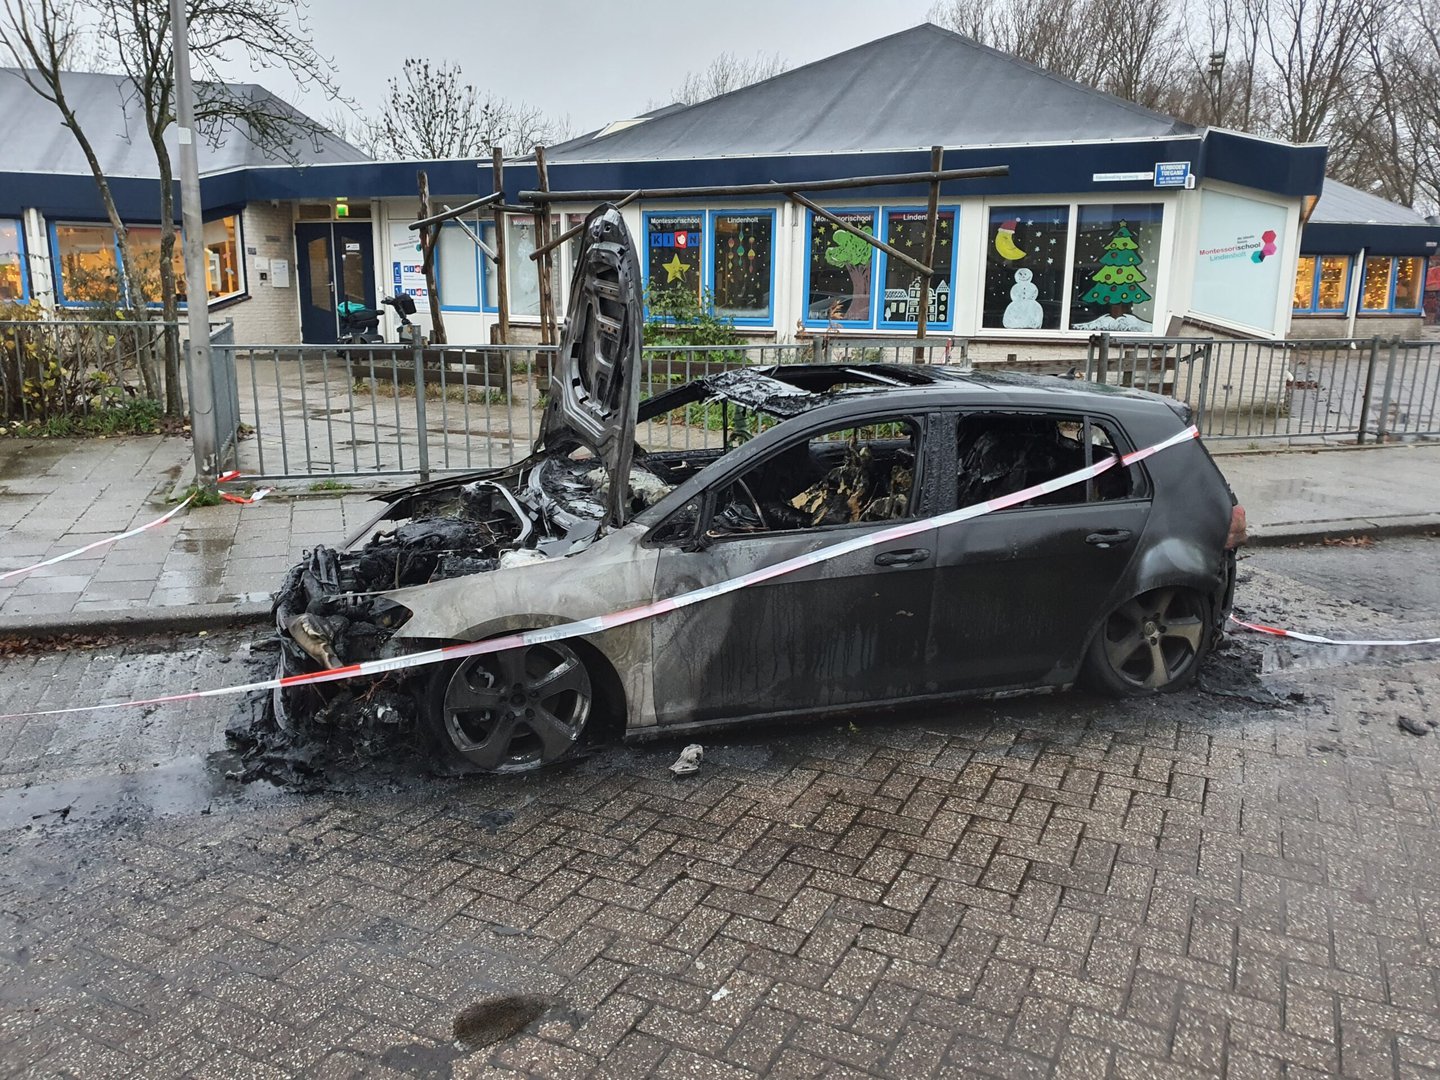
1386	326
269	315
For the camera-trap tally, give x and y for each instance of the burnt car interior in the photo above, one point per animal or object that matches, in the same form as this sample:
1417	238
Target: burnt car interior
839	477
1001	453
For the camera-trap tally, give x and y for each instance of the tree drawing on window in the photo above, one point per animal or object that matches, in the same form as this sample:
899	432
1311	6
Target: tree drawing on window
1117	286
850	253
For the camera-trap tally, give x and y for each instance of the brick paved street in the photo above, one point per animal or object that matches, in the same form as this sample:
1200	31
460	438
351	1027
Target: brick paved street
1051	887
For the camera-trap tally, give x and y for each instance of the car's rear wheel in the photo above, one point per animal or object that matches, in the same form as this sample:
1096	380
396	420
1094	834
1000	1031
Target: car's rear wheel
1152	644
513	710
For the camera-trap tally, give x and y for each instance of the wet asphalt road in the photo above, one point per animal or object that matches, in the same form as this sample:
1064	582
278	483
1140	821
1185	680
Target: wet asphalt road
1230	881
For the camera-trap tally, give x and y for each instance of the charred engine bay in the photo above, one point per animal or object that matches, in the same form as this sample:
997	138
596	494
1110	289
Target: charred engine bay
329	610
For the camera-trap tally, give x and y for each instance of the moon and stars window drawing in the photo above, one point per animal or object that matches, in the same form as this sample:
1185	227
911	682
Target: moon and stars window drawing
675	251
1025	258
900	303
1117	250
743	255
842	266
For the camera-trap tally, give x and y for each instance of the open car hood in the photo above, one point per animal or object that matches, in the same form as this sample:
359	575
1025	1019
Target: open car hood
595	379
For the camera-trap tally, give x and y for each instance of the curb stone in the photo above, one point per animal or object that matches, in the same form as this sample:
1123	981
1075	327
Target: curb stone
138	622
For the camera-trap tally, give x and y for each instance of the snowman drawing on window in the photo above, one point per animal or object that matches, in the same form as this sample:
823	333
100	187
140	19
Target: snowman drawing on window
1024	311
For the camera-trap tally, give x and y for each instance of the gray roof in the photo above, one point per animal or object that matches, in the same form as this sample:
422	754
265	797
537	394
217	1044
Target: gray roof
917	88
1341	204
35	142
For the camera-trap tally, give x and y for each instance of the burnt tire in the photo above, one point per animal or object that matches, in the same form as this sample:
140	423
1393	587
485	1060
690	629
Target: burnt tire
1152	644
511	711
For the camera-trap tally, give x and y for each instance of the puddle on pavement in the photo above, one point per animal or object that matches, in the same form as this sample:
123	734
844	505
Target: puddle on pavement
190	785
478	1026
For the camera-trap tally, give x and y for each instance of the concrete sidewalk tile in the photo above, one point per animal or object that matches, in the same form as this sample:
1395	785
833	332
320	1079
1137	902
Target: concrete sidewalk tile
47	581
119	590
43	604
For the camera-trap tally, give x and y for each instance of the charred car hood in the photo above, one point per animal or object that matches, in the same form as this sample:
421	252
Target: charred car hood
595	377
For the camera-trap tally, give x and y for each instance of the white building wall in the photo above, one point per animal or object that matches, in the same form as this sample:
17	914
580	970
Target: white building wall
270	314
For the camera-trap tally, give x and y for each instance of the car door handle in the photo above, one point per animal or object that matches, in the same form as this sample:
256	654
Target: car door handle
1105	537
903	558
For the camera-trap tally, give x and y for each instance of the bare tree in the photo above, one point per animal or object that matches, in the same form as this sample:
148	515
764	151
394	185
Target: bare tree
1314	47
431	112
725	73
42	36
136	33
1124	47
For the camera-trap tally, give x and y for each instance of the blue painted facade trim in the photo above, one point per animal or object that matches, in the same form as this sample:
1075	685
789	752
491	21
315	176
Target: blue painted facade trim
845	324
949	282
1334	238
23	252
768	319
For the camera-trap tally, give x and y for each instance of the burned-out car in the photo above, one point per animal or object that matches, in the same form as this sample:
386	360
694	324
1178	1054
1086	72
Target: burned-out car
1123	580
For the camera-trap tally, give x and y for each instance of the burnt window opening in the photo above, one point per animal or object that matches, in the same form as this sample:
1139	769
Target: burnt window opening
1001	453
844	476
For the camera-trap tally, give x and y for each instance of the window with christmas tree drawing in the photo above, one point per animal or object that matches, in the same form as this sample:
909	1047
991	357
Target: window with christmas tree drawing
1117	249
1026	253
906	230
839	271
675	251
742	260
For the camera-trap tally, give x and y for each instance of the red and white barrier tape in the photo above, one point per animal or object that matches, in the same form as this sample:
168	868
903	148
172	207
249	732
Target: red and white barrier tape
99	543
233	474
242	500
584	627
1317	639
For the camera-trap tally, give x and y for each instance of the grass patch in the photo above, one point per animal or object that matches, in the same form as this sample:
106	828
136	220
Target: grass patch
329	485
474	395
201	496
138	416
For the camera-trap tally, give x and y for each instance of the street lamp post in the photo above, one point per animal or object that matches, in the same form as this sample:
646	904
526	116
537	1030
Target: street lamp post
200	374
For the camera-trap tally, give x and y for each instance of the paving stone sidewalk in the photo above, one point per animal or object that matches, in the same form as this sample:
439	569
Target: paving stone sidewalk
58	495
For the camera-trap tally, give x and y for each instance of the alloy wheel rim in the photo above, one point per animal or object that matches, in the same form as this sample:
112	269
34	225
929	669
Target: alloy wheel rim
1154	639
518	709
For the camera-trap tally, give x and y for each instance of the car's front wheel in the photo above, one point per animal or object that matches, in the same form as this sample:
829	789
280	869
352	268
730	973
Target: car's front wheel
513	710
1152	644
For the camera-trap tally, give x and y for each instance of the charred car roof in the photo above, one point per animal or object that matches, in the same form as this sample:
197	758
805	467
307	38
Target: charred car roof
789	390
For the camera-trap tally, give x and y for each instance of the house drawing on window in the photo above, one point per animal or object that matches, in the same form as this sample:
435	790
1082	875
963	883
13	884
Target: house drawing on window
903	305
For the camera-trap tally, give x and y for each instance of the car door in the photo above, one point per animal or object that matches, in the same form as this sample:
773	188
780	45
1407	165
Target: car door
1018	590
842	632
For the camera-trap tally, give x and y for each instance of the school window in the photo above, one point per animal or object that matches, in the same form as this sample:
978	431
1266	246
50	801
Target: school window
1322	284
840	271
742	265
12	262
145	255
458	269
224	269
1116	261
1392	285
87	262
522	280
907	231
1026	252
674	252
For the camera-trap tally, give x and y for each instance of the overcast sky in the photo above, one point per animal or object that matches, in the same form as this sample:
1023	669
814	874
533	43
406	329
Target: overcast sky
599	61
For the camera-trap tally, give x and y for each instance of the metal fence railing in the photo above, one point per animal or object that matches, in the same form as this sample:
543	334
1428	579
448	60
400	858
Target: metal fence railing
405	409
1300	391
1408	401
376	410
55	368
